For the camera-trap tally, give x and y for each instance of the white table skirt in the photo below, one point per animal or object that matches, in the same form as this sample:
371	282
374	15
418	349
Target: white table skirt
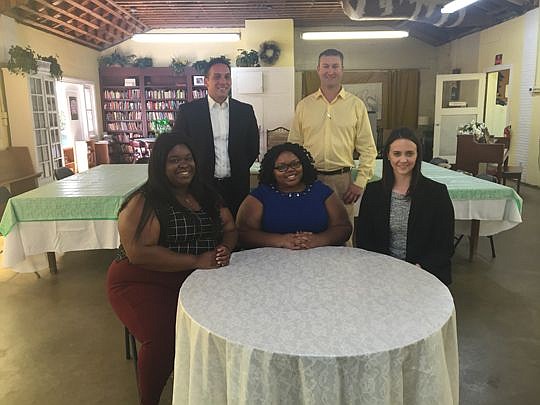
325	326
25	244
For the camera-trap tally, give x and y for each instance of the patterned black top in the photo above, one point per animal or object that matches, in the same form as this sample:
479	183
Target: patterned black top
184	231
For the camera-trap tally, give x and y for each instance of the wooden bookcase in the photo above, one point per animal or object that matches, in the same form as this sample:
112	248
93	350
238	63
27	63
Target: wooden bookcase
128	111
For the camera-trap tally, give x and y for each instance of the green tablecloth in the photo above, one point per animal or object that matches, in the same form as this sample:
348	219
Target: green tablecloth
460	186
96	194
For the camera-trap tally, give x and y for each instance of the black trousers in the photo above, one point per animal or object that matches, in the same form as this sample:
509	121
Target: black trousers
226	189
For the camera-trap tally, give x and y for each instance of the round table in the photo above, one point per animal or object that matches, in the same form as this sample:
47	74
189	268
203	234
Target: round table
331	325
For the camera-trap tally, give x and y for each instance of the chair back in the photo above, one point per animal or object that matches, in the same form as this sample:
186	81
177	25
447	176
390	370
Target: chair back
5	195
276	136
62	173
469	154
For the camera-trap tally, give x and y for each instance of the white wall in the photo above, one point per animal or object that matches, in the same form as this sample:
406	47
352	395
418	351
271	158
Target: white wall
383	54
518	41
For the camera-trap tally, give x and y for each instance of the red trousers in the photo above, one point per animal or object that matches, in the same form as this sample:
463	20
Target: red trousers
145	301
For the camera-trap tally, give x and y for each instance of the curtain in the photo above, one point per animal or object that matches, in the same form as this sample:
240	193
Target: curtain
399	93
402	108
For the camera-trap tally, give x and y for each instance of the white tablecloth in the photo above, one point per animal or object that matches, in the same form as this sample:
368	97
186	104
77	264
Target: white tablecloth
330	326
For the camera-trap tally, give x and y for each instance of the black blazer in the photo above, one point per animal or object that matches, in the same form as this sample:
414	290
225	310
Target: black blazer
430	230
193	119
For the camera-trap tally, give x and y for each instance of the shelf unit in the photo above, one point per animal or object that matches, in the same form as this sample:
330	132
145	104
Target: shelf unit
128	111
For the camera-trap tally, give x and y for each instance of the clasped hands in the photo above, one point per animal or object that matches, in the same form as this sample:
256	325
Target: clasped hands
299	240
212	259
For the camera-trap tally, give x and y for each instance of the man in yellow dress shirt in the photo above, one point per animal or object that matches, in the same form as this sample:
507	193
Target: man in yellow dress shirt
332	123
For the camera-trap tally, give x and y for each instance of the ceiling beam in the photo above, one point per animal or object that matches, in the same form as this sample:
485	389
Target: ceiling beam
59	33
70	27
67	13
98	16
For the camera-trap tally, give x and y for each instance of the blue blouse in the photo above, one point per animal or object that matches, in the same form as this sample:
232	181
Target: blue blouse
293	212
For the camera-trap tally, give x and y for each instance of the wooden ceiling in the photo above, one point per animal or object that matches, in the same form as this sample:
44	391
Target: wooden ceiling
100	24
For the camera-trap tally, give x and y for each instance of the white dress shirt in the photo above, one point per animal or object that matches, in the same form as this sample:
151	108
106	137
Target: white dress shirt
219	116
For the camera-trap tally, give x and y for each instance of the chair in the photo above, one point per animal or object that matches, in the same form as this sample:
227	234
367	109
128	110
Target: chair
140	150
62	173
5	195
276	136
469	155
131	350
508	172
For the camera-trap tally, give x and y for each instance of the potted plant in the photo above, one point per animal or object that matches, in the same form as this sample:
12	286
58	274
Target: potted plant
144	62
25	61
117	59
22	60
178	65
247	58
54	68
478	130
200	66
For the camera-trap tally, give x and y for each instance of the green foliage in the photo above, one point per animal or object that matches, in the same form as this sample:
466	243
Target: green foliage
200	66
247	58
269	52
143	62
178	65
23	61
117	58
55	69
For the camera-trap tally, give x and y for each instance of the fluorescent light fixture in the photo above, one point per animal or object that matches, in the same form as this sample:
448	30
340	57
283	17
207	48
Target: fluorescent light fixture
186	38
354	35
456	5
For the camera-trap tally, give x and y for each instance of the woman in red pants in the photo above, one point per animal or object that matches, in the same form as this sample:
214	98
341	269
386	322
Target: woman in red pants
170	226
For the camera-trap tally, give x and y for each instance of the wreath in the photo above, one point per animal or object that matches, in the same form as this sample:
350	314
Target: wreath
269	52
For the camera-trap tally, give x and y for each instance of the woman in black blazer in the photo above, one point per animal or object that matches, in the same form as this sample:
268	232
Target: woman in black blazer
405	214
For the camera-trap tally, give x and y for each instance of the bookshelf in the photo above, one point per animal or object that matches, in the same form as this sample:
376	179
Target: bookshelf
128	111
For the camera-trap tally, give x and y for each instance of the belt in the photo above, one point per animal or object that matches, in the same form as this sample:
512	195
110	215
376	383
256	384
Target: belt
221	179
332	172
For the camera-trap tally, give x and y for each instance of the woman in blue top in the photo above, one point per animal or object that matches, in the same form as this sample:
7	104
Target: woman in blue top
290	208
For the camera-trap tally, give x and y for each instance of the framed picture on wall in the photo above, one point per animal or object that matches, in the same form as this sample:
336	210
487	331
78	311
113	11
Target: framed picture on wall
198	80
73	108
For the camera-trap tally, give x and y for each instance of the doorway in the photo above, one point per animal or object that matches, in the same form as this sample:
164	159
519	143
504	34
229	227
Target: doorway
77	112
496	112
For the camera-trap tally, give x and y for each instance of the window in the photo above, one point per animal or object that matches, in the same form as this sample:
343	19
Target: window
90	113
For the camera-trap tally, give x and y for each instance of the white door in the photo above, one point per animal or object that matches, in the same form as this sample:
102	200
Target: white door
46	126
459	99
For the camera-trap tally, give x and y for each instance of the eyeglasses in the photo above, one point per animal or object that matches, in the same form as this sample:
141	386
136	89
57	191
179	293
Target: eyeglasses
283	167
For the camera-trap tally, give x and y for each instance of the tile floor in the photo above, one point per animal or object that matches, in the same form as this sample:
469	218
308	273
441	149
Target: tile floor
61	344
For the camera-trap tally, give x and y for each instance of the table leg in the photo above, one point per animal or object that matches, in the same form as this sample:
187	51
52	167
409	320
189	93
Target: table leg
51	257
473	238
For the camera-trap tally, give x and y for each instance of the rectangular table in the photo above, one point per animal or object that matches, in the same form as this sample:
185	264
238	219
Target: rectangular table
77	213
80	212
481	208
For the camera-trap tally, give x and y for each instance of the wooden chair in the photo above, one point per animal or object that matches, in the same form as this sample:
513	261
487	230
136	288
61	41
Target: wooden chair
140	150
507	172
276	136
469	155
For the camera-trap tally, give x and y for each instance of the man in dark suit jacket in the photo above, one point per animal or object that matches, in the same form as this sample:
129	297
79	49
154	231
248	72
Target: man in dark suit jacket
225	135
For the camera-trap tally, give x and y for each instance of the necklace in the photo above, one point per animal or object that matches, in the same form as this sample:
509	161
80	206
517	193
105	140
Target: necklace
187	202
